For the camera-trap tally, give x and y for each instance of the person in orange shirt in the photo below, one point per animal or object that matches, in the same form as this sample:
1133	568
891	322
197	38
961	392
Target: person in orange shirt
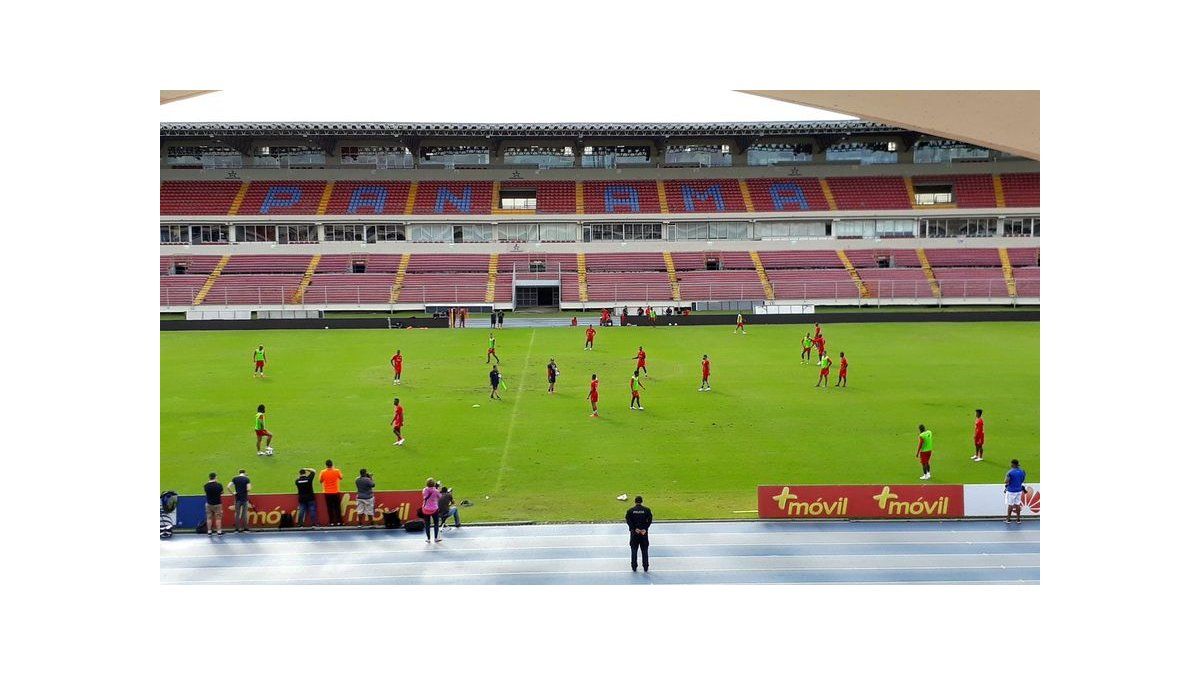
330	478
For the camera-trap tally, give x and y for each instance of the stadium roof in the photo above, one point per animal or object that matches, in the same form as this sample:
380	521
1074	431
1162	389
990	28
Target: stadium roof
522	130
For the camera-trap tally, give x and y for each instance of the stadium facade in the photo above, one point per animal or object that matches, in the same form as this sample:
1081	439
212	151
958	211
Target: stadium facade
316	216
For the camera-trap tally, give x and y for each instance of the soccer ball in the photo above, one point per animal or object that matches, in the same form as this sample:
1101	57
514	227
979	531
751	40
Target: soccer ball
270	451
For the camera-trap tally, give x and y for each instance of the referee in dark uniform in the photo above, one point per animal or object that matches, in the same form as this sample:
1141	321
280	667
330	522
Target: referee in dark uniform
638	519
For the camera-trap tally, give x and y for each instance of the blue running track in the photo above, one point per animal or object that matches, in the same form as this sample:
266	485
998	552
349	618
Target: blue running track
750	552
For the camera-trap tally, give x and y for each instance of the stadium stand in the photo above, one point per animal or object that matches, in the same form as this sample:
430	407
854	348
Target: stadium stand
795	194
368	198
446	197
196	198
867	193
1021	189
436	277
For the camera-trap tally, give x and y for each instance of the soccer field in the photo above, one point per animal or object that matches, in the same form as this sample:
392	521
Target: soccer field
536	456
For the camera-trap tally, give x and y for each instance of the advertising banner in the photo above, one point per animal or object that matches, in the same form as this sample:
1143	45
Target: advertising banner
860	501
988	500
266	509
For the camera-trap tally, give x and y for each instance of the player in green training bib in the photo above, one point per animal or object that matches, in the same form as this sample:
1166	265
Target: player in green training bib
924	449
260	431
807	345
492	349
260	362
824	362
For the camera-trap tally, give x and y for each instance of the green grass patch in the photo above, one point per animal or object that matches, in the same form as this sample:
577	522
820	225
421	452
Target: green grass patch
535	456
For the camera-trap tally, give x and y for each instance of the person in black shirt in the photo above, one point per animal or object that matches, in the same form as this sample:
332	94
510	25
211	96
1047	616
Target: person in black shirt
240	487
638	519
446	507
493	319
494	377
212	504
499	318
306	498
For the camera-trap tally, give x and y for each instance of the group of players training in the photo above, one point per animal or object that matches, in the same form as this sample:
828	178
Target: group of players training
813	339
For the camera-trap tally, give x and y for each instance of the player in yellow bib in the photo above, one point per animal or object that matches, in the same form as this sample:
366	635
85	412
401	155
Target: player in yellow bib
260	362
260	431
635	398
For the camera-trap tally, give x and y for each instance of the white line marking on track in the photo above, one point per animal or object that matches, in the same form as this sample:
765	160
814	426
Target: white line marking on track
327	552
610	571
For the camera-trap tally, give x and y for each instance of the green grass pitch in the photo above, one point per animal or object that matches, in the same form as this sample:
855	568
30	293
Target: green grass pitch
536	456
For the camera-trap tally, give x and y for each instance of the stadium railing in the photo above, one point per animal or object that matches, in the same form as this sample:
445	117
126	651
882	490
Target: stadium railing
808	291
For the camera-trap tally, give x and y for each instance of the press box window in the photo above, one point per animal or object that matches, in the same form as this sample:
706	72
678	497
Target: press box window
518	200
932	195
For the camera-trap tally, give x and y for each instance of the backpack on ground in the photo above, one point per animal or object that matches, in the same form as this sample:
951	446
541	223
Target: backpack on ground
414	526
286	520
167	502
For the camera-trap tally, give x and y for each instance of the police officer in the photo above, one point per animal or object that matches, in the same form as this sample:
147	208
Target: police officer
638	519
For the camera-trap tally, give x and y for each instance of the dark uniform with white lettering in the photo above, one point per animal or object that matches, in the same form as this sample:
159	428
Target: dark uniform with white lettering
638	519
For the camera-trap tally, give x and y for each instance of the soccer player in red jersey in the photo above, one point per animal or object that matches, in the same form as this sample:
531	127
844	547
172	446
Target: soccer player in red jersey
397	366
604	317
594	395
398	421
978	435
817	330
635	397
820	340
589	337
741	324
641	360
704	371
842	370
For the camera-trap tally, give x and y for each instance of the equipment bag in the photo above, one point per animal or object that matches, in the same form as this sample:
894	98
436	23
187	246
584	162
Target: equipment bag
414	526
286	520
391	520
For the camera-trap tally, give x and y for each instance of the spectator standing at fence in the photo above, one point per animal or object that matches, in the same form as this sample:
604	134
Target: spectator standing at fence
429	510
212	504
493	319
331	479
1014	489
639	518
239	487
499	318
364	499
446	507
306	498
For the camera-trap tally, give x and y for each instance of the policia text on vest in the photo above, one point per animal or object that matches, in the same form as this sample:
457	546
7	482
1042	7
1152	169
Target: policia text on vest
638	519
